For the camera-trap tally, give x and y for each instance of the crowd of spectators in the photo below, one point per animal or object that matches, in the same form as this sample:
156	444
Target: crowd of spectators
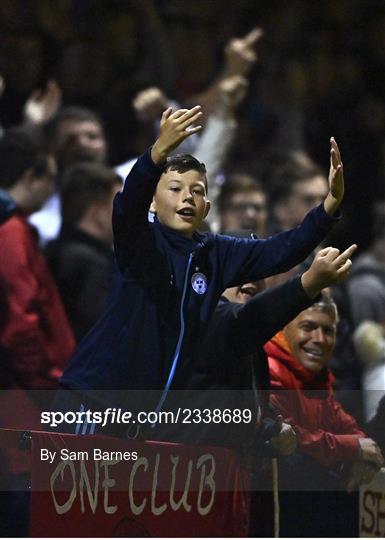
83	86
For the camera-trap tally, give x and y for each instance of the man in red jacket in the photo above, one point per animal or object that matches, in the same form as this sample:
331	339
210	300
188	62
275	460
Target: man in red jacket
331	446
35	332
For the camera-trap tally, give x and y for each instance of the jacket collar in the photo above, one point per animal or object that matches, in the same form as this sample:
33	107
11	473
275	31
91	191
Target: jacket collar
279	349
180	243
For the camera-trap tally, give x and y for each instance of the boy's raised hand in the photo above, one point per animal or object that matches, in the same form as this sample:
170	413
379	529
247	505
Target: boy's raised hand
336	179
175	127
329	267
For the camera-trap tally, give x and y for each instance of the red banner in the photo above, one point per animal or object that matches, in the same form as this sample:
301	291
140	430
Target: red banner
99	486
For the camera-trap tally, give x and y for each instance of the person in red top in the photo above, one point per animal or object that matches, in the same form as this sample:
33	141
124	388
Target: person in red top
332	450
35	332
302	389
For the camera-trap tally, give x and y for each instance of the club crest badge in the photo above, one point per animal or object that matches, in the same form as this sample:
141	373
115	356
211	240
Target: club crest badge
199	283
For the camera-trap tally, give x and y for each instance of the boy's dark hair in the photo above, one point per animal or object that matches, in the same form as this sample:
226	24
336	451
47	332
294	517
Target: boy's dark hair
183	163
237	183
286	176
83	184
18	154
80	114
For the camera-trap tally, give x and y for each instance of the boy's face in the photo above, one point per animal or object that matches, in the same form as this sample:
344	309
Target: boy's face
180	201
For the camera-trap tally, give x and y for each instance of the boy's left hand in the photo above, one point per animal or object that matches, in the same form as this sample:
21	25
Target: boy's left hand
336	180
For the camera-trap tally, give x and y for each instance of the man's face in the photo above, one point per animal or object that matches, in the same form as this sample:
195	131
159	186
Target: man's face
180	201
312	337
245	211
80	141
306	195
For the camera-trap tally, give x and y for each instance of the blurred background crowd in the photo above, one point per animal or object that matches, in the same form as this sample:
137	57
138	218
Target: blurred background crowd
87	81
320	72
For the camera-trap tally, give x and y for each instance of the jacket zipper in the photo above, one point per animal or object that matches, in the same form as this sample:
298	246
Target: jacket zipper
180	339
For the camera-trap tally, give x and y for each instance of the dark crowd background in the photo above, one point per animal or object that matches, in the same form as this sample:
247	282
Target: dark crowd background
274	101
320	72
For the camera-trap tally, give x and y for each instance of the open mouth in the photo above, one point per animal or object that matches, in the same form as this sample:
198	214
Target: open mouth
315	354
186	213
249	290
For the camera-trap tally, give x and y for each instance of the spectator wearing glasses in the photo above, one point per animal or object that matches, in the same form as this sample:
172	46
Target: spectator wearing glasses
242	205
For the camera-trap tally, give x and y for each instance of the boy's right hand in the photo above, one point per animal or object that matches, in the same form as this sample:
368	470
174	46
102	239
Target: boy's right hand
329	267
175	127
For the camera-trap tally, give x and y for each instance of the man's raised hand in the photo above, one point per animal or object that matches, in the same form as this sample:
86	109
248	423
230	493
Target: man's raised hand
336	179
329	267
241	53
175	127
42	105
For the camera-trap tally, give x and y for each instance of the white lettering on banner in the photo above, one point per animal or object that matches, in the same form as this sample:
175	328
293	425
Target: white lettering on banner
183	500
108	483
78	479
135	509
62	509
372	507
154	509
206	480
84	480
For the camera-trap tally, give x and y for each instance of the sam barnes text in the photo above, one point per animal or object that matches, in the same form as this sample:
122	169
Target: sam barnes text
97	455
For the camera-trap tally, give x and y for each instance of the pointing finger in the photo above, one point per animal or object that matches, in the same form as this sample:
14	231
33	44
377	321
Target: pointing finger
346	254
253	37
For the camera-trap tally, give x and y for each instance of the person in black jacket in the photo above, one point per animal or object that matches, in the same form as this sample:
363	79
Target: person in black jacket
81	259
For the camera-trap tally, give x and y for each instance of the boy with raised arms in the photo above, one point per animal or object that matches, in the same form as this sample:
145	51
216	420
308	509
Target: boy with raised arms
170	277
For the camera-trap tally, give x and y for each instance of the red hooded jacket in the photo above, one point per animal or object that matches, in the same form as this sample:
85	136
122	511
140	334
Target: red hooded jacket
325	431
34	328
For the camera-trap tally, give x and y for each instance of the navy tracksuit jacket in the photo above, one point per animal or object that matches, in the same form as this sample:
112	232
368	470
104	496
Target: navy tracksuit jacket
166	288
